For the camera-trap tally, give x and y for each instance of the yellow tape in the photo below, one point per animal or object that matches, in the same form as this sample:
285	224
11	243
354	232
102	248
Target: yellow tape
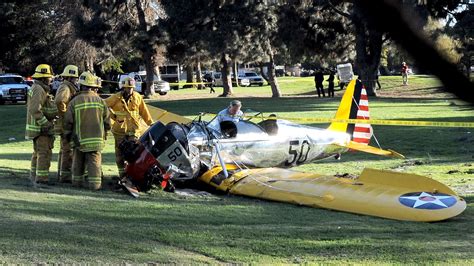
385	122
372	121
171	83
189	83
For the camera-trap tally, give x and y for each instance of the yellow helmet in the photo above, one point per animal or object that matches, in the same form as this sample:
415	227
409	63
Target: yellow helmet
70	71
90	80
43	71
128	83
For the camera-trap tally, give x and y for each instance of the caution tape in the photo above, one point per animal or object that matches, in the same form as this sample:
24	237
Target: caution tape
370	121
189	83
171	83
385	122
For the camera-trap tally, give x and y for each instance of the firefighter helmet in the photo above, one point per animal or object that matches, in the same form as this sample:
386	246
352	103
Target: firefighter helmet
90	80
70	71
128	82
43	71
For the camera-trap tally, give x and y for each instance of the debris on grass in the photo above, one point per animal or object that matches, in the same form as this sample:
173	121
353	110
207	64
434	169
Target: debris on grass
346	175
452	172
192	193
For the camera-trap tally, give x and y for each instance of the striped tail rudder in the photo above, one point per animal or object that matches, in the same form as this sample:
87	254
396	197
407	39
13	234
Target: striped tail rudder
354	105
362	132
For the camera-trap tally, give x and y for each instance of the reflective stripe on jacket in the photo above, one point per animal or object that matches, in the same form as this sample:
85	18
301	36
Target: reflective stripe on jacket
130	117
64	94
40	110
87	121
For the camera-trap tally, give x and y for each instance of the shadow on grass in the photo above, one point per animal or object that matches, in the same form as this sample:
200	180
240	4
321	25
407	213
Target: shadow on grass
230	229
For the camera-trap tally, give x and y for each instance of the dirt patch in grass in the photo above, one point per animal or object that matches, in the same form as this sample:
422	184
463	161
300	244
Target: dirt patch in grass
409	92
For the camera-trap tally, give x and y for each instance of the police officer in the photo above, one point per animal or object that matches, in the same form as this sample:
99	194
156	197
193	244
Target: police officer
41	112
85	124
67	89
130	115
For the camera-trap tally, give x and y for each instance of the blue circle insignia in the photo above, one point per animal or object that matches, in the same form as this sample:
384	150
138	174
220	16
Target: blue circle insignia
425	200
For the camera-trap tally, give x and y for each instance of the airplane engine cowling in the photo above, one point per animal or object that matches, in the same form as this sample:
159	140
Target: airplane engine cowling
161	148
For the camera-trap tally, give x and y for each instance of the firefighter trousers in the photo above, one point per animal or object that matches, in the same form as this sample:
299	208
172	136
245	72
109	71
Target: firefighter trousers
90	161
118	154
41	158
65	161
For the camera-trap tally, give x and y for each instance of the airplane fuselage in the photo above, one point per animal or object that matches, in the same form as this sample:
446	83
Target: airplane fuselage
292	145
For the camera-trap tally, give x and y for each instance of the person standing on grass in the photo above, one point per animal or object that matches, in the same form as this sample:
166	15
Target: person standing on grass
67	90
131	117
86	123
404	72
330	81
210	81
377	79
318	80
41	113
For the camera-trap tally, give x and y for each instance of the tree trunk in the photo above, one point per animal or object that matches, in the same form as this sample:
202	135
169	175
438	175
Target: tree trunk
90	65
264	75
271	73
150	67
368	51
147	52
235	69
226	80
189	76
199	76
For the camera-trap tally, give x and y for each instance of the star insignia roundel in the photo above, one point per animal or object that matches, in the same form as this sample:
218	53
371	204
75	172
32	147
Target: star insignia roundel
425	200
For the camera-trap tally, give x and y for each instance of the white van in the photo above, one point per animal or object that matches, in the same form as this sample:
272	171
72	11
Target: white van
161	87
345	73
253	77
244	82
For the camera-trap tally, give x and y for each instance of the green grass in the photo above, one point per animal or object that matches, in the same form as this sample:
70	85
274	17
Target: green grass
59	224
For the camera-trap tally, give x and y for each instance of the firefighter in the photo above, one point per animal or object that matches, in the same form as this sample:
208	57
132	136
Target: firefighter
66	91
130	115
86	123
41	112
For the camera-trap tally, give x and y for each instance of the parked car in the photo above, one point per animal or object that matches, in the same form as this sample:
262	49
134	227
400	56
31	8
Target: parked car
244	82
161	87
253	77
13	88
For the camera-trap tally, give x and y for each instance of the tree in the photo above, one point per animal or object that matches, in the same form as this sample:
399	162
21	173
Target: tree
124	26
25	38
445	45
373	19
311	32
463	30
389	16
187	27
146	40
258	43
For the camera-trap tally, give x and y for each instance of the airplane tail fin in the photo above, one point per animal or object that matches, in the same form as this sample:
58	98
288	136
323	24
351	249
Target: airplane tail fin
354	105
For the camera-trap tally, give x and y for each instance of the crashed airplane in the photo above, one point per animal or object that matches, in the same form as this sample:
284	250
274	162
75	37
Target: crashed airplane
254	160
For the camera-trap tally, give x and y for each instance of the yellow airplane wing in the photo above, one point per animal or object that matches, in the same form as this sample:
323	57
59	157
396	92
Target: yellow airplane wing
165	117
380	193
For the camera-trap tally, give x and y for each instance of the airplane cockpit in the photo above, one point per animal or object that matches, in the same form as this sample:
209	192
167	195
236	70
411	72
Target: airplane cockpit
242	130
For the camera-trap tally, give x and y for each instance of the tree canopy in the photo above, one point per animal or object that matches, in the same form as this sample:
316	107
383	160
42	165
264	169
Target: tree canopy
103	35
